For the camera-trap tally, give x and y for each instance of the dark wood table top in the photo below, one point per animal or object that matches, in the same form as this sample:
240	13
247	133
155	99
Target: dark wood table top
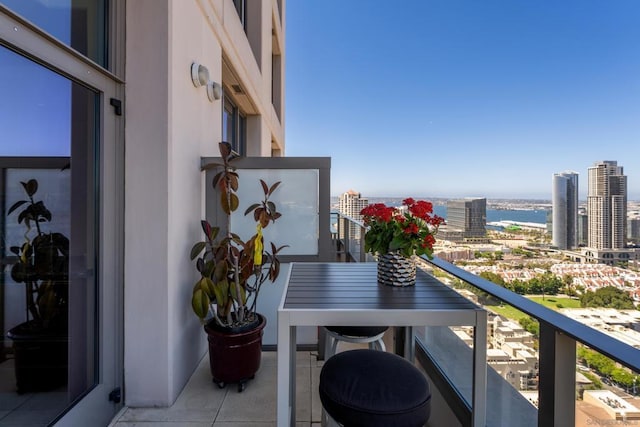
349	286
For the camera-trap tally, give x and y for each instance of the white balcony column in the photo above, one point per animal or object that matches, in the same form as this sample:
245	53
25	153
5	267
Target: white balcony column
557	378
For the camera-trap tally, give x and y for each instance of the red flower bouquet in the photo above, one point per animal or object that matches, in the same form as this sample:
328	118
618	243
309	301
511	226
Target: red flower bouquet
407	230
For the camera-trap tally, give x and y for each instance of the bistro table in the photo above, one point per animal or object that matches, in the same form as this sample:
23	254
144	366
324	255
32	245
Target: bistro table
335	293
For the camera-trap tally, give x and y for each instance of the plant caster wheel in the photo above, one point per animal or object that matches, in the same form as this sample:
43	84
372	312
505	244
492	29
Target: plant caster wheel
220	384
241	386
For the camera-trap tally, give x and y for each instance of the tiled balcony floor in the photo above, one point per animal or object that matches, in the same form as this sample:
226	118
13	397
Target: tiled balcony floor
203	404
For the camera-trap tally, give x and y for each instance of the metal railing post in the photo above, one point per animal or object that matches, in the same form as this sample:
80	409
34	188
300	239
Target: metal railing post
347	238
557	378
363	254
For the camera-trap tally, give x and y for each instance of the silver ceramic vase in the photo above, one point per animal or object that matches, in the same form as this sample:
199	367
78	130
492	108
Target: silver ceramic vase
396	270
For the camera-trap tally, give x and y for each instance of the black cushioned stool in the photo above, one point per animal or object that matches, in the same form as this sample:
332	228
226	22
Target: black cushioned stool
369	388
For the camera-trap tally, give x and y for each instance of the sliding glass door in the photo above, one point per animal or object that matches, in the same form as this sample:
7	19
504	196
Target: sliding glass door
60	221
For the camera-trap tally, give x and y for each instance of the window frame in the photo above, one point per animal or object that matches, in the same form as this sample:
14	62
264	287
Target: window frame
237	135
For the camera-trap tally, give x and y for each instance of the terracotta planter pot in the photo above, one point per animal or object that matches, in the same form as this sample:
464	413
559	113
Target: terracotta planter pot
234	355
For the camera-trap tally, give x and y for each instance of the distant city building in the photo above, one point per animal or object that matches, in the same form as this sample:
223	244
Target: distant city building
607	206
467	217
350	204
583	228
564	234
633	229
512	353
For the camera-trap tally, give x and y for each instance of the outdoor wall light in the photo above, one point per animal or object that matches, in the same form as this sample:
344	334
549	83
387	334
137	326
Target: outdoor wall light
199	74
214	91
200	77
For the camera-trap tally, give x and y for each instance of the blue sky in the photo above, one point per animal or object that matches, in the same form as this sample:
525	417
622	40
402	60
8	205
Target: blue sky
455	98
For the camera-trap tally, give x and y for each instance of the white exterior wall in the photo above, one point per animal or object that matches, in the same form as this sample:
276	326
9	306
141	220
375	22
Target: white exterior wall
170	125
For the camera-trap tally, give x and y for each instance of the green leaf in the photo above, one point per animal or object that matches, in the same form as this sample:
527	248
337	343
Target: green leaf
40	210
196	249
222	292
257	213
31	187
225	149
233	181
47	304
235	202
200	303
273	187
251	208
265	187
216	178
208	286
229	204
16	205
220	272
242	298
208	269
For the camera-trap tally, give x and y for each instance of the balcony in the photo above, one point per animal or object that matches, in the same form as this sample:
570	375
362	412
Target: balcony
550	391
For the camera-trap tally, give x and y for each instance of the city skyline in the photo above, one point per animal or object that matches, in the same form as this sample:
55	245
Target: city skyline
463	99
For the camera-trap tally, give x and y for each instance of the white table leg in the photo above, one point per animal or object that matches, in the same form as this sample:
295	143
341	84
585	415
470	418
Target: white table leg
292	375
285	374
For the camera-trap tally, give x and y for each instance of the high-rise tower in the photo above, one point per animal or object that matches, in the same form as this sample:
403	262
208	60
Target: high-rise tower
351	203
607	206
564	201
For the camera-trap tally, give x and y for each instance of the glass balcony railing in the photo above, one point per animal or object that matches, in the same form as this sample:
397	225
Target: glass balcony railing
547	370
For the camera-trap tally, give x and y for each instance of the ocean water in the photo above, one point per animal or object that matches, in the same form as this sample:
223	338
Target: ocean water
520	215
529	215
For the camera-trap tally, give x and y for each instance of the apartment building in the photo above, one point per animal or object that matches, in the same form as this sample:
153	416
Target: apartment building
607	216
113	105
350	204
607	205
466	219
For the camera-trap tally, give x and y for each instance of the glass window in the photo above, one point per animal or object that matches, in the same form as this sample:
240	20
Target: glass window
241	8
78	23
234	125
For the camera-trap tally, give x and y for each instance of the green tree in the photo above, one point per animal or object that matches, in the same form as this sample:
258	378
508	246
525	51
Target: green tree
550	283
608	297
493	277
567	281
530	325
519	286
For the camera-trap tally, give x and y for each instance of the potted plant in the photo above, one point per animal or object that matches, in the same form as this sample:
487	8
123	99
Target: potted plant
40	343
396	234
232	271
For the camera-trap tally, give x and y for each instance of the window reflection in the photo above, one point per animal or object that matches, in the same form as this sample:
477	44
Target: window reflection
47	239
234	124
36	121
80	24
